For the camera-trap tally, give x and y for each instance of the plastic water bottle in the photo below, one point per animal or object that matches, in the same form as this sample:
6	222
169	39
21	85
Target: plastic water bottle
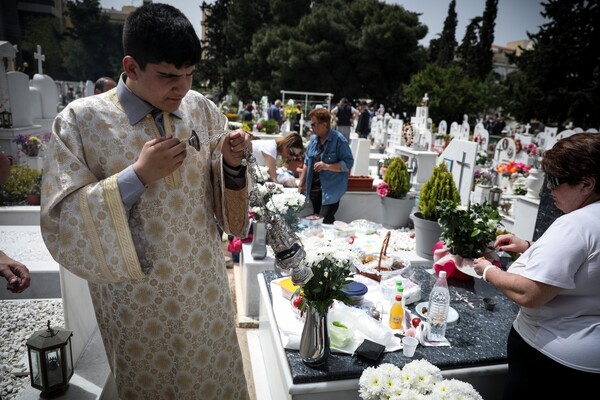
437	311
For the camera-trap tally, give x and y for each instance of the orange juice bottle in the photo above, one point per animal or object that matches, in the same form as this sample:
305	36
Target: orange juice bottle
396	313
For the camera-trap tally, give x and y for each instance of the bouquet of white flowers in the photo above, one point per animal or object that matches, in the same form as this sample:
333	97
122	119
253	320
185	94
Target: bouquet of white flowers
417	380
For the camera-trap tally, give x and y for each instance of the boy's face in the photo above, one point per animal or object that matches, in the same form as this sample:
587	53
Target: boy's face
162	85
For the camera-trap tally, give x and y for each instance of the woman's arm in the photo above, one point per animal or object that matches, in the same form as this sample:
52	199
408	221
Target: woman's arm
271	165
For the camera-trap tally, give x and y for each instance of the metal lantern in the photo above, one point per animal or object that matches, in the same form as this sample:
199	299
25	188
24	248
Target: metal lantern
5	119
495	196
50	360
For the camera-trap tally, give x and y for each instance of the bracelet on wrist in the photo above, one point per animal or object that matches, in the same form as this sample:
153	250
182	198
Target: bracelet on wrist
484	275
528	244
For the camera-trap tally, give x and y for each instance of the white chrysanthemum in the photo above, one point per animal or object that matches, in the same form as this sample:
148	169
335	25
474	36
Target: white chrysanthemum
421	375
462	208
370	384
452	389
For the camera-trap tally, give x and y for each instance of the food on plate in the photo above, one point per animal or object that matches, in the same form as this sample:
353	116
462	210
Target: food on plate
424	311
412	332
339	324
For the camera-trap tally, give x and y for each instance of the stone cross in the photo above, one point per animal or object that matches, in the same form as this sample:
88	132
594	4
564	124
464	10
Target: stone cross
462	165
527	128
40	58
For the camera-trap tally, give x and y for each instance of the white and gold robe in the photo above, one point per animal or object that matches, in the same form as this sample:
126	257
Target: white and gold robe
157	276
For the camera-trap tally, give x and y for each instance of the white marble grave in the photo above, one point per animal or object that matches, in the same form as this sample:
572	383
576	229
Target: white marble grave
505	151
460	157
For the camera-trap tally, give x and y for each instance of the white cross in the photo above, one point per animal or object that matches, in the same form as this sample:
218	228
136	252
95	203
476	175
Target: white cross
527	129
425	100
39	57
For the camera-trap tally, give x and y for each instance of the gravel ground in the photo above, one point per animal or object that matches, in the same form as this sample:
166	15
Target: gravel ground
19	320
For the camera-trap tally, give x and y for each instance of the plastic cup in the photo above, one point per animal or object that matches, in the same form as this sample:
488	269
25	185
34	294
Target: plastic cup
409	345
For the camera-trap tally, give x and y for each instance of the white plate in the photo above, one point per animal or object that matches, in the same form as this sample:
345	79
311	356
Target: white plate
452	313
468	270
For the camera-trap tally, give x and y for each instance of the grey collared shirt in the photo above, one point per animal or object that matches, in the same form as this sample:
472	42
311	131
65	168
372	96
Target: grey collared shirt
130	186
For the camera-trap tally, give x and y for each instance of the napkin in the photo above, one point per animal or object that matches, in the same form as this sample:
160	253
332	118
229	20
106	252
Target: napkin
423	330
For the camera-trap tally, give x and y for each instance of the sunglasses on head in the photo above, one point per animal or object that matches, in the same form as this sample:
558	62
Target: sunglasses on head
293	153
555	182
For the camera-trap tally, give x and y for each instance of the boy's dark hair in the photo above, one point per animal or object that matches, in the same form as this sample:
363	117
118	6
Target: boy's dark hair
154	33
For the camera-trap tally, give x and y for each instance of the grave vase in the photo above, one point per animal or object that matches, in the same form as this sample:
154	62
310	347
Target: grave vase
481	194
535	181
314	342
32	162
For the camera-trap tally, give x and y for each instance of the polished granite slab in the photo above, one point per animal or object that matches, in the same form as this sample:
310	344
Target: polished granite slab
478	338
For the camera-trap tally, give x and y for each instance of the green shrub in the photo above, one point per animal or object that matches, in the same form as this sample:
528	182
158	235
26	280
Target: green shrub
21	182
440	186
397	178
269	126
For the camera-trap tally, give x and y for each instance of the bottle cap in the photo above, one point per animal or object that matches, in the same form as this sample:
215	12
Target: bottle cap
398	297
442	274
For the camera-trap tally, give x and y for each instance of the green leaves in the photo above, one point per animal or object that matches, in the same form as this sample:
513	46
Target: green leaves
467	231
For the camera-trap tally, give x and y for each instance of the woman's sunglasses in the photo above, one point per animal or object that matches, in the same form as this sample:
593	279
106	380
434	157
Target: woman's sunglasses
554	182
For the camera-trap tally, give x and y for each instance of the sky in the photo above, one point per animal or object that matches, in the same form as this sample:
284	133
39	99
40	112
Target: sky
514	19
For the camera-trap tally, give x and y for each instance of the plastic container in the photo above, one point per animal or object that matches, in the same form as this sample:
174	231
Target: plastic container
356	291
439	306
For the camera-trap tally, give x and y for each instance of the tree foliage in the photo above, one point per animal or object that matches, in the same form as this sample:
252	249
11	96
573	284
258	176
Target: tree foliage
441	50
559	78
353	49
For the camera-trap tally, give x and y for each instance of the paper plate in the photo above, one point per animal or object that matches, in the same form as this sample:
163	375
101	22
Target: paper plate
452	313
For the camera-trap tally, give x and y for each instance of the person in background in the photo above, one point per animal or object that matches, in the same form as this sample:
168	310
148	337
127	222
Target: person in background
556	281
327	164
270	152
344	115
104	84
15	273
274	112
247	115
363	126
136	217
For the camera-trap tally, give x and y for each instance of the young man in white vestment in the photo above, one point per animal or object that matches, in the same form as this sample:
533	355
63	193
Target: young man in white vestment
130	206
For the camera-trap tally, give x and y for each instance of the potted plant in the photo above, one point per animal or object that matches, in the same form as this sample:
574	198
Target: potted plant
20	182
440	186
396	202
34	195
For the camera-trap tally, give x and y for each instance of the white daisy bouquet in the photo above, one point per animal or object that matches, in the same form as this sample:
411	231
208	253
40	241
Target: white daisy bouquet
332	263
418	380
288	205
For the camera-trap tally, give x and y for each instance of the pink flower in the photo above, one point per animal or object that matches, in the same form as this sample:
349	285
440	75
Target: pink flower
383	190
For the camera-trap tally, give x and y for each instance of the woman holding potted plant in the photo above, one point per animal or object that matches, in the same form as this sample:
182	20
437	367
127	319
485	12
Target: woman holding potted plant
555	281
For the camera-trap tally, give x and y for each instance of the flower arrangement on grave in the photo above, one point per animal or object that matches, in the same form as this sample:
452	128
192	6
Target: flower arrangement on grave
481	157
30	145
483	177
418	379
396	182
467	231
512	169
332	264
292	112
519	186
269	194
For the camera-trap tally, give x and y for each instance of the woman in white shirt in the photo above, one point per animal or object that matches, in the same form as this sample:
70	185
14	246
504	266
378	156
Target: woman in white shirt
270	152
555	338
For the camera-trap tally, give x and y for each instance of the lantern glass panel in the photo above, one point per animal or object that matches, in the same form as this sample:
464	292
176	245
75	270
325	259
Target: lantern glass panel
68	358
54	367
35	367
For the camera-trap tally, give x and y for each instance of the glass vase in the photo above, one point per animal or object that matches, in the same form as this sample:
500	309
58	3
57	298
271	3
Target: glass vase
314	342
